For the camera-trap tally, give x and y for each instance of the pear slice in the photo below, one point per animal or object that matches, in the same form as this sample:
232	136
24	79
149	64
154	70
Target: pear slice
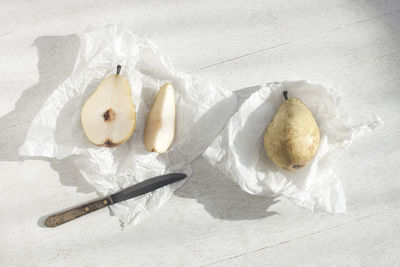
108	117
160	127
292	138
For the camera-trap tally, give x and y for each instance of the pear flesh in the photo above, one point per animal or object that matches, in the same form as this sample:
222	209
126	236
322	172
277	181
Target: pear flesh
292	138
108	117
160	127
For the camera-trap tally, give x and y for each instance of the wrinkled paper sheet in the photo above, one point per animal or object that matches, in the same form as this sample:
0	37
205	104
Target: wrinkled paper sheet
239	149
202	109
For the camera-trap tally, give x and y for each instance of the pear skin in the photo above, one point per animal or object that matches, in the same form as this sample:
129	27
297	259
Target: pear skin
292	138
108	117
160	126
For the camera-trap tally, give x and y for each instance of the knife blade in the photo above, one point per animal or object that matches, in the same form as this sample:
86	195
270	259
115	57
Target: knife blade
130	192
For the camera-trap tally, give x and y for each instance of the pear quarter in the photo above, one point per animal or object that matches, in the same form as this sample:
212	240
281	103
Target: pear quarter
160	126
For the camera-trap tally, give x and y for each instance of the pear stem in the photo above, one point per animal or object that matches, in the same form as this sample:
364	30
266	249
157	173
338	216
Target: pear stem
285	95
118	69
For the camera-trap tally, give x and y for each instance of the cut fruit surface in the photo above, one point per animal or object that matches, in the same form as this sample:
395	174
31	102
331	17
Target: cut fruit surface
160	127
108	117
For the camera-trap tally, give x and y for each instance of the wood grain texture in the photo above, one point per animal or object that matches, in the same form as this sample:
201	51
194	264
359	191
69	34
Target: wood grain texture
353	46
76	212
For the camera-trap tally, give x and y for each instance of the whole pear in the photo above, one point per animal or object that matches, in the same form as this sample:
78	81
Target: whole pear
292	138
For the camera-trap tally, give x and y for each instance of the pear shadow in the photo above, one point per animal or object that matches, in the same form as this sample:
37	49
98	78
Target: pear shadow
56	59
198	141
149	96
221	197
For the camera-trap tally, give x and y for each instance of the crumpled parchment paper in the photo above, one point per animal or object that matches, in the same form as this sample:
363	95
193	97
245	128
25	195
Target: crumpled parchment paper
202	109
239	149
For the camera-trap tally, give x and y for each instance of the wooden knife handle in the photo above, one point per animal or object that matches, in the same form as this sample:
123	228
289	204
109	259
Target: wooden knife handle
73	213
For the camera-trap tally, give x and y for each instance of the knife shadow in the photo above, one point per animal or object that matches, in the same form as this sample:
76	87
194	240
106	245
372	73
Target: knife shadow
221	197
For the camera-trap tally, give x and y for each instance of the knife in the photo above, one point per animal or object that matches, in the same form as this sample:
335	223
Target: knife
130	192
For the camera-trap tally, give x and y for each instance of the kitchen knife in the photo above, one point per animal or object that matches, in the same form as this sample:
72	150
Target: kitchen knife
130	192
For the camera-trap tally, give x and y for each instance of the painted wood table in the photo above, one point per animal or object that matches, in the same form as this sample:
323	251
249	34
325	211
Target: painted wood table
353	46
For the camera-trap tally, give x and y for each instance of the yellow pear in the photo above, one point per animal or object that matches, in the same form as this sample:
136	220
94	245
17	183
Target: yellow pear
108	117
160	127
292	138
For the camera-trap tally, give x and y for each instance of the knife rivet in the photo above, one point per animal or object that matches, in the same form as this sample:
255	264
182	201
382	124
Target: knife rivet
87	209
105	202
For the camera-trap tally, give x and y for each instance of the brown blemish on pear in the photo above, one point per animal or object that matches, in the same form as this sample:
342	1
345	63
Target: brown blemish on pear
292	138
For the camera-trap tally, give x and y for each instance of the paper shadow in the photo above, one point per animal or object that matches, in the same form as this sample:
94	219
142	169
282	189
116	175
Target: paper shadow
56	59
245	93
221	197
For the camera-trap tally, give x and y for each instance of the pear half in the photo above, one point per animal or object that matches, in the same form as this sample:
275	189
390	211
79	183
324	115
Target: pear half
292	138
160	127
108	117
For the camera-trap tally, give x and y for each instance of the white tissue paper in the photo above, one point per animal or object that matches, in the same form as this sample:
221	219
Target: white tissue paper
202	109
239	149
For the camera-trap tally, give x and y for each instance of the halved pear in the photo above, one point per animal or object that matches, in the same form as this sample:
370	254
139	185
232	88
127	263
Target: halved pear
160	127
108	117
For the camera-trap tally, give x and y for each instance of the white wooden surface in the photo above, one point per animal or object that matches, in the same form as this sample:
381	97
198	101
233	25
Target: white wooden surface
352	45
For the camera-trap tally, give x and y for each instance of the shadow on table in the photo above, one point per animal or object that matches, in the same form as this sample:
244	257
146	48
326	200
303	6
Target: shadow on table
221	197
57	55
